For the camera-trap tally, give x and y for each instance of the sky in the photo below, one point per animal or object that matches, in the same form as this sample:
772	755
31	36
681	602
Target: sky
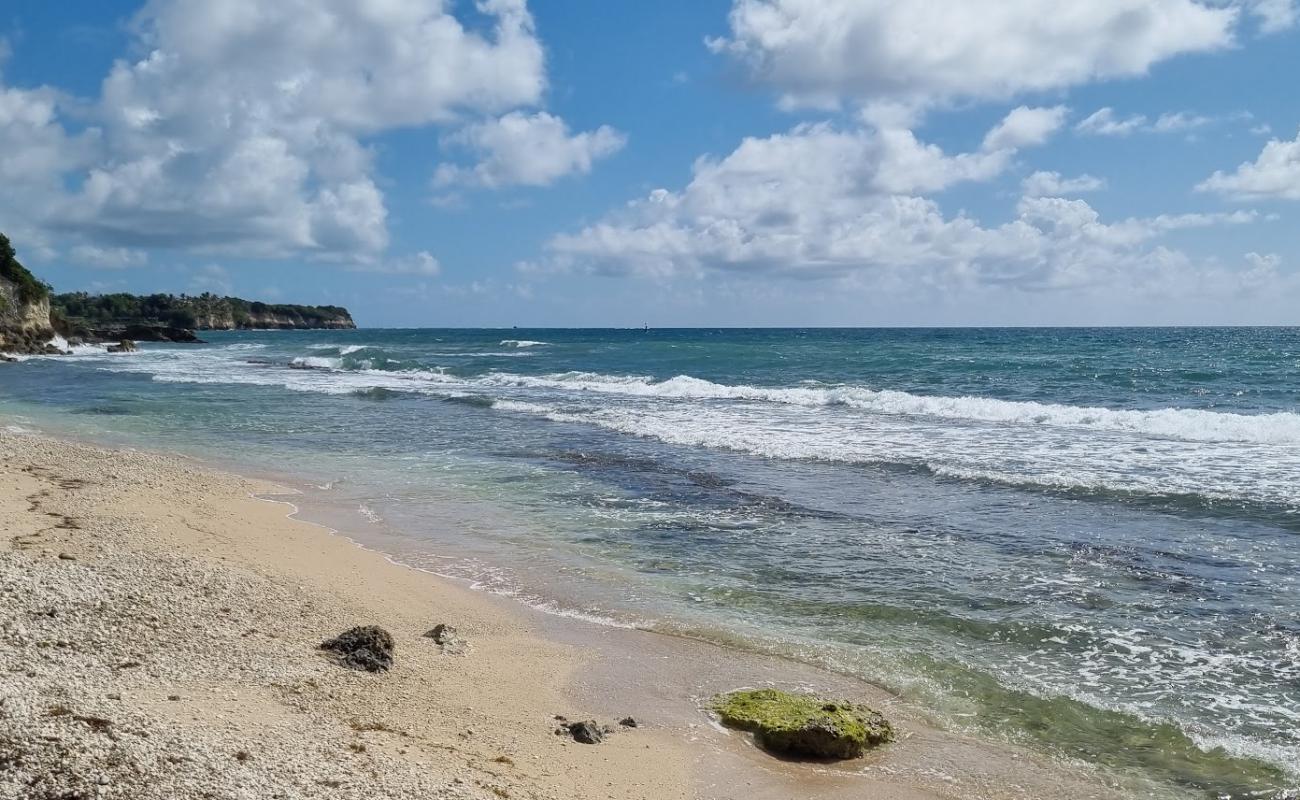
678	163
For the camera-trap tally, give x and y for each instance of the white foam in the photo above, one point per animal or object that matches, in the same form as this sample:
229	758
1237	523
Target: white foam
1192	425
522	343
318	362
1162	452
77	349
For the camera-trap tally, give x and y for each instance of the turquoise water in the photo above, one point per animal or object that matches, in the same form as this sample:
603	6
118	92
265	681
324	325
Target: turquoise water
1079	540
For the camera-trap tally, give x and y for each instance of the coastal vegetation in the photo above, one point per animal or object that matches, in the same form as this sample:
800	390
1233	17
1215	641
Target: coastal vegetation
31	314
27	288
201	312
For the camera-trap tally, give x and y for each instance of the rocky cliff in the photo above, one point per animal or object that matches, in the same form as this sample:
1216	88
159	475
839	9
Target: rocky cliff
24	307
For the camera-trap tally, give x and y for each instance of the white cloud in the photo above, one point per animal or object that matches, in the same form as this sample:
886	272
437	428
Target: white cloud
108	257
1275	174
1104	122
811	204
1052	184
527	150
1180	121
421	263
818	51
240	129
1026	127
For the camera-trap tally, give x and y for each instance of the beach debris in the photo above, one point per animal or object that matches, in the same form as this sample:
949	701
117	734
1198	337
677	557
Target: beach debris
365	647
445	636
803	725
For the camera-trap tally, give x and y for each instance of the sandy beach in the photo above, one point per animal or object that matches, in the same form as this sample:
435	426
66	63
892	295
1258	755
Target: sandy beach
159	639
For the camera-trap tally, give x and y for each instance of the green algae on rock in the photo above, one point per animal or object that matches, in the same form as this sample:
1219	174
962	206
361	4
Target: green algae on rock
803	724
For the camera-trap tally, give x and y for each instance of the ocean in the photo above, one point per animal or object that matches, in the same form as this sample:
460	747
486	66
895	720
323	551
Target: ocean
1083	541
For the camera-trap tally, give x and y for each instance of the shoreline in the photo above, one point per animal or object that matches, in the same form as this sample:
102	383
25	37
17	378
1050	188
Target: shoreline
524	666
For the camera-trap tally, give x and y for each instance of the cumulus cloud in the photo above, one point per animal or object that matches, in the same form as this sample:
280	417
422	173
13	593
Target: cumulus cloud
1026	127
811	204
241	127
527	150
816	52
1053	184
1274	174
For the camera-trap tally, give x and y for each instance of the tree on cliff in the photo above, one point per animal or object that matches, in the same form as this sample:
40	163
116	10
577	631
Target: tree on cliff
28	288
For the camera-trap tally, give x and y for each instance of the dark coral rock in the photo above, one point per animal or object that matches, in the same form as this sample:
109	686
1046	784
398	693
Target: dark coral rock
367	647
588	732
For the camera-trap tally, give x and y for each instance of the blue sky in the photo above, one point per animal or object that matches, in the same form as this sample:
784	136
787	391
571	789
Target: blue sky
754	162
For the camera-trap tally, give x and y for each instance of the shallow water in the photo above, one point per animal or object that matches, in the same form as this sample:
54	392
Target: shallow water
1081	540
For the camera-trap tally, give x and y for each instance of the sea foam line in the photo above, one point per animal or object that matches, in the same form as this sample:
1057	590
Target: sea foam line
1193	425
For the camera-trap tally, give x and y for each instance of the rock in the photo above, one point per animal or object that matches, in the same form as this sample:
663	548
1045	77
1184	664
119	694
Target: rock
803	725
67	557
588	732
367	647
627	722
445	636
124	346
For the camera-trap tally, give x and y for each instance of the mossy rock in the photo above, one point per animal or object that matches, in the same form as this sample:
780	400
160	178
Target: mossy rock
802	724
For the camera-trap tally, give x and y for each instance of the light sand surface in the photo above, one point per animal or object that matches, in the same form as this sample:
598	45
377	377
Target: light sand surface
158	639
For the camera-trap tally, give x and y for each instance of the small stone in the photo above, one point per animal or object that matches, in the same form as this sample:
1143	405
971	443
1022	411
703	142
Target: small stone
445	636
588	732
628	722
67	557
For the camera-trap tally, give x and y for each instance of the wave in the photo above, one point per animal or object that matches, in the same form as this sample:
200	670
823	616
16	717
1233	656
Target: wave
316	362
522	343
77	349
1191	425
1166	453
1177	424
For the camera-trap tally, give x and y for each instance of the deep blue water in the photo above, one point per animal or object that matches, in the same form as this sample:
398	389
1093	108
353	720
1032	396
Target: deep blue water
1081	540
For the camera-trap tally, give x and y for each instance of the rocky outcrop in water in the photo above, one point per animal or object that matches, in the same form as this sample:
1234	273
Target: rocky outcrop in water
136	333
803	725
